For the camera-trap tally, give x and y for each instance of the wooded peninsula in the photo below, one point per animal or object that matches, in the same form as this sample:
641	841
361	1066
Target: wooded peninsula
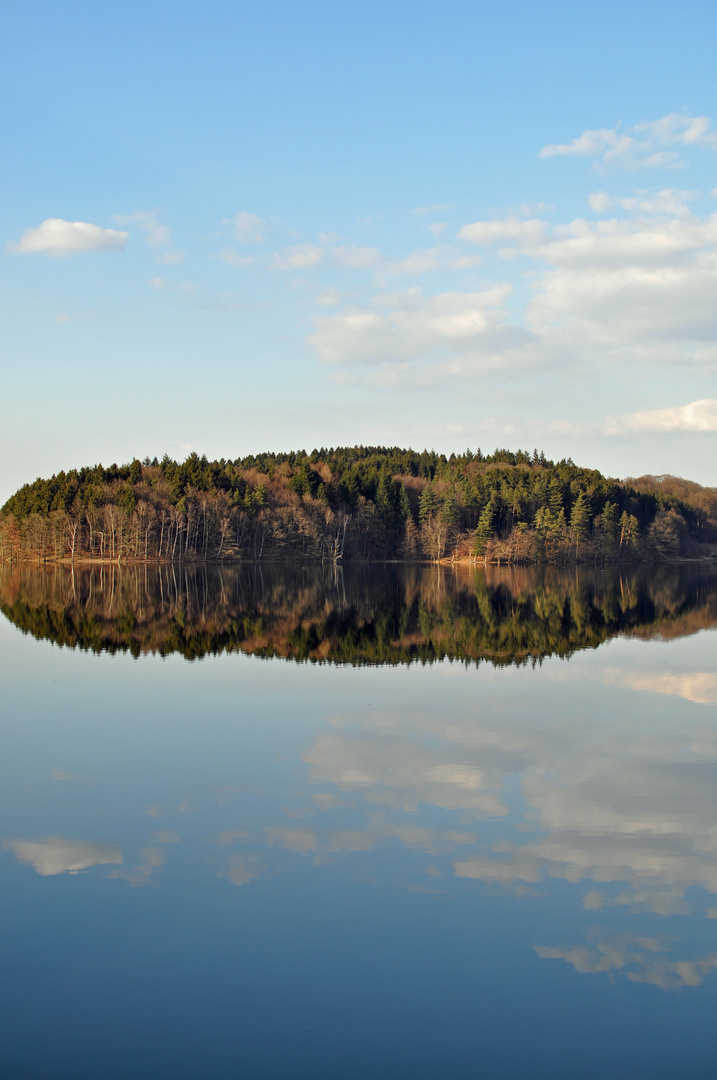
357	503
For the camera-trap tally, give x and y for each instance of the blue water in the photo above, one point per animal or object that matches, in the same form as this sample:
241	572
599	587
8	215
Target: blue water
250	867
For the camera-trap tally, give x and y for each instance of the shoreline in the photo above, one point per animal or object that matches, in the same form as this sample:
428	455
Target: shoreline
463	561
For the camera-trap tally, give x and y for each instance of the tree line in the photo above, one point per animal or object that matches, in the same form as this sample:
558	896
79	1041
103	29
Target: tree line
369	503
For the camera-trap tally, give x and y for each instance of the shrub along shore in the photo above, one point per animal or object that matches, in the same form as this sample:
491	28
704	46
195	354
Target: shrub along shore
357	503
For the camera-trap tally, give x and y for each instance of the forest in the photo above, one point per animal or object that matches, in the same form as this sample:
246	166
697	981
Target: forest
357	503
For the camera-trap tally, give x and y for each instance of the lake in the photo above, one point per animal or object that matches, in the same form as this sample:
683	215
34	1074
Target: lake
371	821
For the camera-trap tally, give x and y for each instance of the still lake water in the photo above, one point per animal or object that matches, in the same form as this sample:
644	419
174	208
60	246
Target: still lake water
300	824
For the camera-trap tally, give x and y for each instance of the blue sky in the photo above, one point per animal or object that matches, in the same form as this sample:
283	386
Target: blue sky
231	227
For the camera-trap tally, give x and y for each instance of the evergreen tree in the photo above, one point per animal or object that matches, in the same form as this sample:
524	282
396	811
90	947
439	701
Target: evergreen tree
428	503
385	498
628	530
449	509
610	521
555	496
404	505
484	530
580	519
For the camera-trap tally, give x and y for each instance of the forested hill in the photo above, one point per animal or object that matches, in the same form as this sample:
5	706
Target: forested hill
353	502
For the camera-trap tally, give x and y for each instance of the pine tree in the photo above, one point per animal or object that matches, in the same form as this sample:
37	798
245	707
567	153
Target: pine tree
555	496
428	503
628	530
580	519
609	520
484	530
404	505
449	509
385	496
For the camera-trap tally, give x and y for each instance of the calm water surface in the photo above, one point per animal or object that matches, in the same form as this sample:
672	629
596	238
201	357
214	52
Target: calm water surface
374	823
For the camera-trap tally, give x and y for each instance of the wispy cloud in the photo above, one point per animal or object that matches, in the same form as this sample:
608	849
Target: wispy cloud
356	258
298	257
171	258
399	329
669	201
233	258
635	288
247	228
157	235
647	145
485	233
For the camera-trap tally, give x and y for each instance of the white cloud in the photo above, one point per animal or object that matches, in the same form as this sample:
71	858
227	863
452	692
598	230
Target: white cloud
636	290
669	201
157	235
646	145
56	855
397	330
432	259
600	201
634	287
57	237
697	416
640	290
159	283
233	258
484	233
355	258
172	258
299	257
330	297
247	228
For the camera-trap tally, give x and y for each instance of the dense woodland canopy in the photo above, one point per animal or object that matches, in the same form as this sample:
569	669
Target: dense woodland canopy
356	503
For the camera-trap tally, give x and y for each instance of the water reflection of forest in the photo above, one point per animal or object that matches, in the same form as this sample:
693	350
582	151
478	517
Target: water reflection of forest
355	615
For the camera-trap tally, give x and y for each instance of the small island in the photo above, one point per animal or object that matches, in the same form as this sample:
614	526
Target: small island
358	504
